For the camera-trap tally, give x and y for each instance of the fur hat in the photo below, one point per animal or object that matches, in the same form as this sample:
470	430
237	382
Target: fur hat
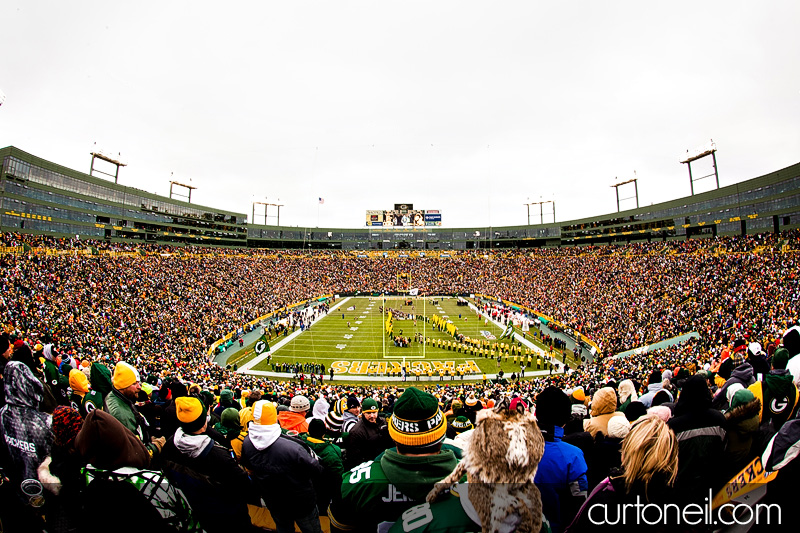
627	390
501	462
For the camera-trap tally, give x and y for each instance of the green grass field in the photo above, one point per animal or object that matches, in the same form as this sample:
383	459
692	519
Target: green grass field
362	348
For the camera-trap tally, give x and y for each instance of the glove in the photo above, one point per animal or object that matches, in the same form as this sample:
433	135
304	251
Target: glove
159	442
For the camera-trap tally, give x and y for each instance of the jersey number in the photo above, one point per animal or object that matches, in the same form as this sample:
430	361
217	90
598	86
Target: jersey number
360	472
417	516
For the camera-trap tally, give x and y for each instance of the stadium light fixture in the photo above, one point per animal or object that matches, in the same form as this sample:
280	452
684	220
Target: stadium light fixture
698	153
541	210
189	188
266	207
101	156
636	187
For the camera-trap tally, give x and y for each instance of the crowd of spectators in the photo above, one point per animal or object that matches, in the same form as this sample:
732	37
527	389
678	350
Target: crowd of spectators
105	365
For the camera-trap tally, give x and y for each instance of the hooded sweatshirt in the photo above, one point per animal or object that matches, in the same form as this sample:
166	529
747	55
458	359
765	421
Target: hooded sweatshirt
604	406
25	431
742	374
779	398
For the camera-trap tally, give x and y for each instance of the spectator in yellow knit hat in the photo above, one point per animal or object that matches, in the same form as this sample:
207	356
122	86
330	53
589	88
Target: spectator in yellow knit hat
220	503
284	470
120	403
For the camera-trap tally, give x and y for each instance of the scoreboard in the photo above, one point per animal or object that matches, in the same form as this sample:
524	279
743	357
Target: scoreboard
404	216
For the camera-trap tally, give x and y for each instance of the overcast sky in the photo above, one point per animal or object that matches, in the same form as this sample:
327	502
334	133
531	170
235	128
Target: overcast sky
463	106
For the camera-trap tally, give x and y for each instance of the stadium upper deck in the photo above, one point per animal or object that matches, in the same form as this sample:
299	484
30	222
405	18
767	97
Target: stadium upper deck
43	197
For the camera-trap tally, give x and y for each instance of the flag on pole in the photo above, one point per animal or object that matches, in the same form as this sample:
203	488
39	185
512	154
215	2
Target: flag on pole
413	292
509	332
322	200
262	345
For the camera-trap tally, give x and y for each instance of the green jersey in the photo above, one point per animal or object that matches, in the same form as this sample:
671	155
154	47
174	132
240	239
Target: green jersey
381	490
452	513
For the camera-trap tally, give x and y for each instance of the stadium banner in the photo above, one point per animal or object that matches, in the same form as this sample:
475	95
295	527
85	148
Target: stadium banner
364	368
432	217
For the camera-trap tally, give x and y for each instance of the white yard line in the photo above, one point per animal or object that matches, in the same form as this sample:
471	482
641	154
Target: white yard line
245	368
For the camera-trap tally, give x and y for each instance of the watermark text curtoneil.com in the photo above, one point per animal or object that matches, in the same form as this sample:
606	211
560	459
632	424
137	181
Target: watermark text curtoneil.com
693	514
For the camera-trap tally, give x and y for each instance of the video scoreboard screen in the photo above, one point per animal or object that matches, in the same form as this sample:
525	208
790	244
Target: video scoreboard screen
404	216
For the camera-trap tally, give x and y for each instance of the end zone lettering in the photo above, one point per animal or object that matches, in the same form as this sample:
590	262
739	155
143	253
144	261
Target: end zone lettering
364	368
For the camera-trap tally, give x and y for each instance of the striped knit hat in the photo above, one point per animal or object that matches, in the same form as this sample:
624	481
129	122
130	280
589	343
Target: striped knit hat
462	424
417	419
333	421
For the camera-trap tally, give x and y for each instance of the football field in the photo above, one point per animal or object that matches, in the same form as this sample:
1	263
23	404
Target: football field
352	340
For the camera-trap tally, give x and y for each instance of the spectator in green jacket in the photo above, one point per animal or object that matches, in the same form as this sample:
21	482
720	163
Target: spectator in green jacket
120	404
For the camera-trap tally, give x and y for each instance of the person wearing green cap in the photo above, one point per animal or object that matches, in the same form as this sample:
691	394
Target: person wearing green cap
369	437
779	396
743	441
381	490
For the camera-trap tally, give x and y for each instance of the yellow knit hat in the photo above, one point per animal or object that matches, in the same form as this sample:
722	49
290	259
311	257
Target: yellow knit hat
124	375
190	412
188	409
265	413
78	381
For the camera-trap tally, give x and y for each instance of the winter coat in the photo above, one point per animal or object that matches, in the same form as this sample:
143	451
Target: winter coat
25	430
744	439
367	441
779	399
604	406
330	457
125	411
58	382
283	469
215	485
742	374
610	495
652	389
599	424
291	421
701	435
561	477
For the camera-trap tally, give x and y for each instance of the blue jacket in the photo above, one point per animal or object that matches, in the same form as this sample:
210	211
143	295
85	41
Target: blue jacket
561	479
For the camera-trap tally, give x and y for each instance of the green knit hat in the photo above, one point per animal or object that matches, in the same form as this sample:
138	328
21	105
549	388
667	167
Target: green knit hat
462	424
780	358
741	397
369	406
417	419
226	397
